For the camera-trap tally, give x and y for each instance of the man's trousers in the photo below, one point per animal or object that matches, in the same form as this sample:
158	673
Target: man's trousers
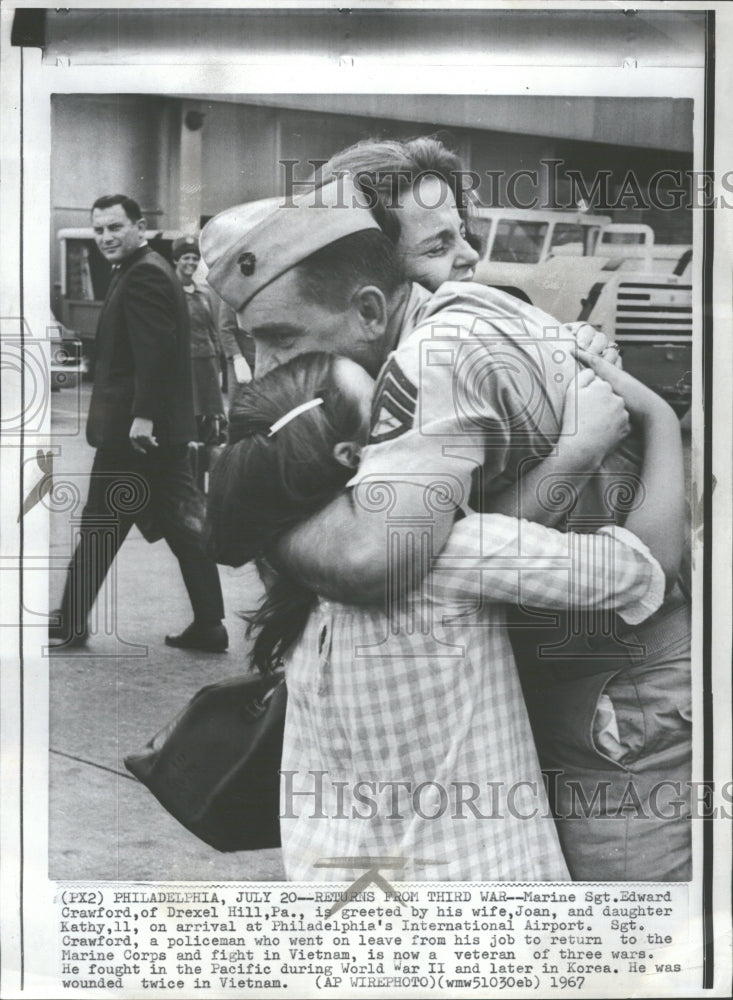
156	491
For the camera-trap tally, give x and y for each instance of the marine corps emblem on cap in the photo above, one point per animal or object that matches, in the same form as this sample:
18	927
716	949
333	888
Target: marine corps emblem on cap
249	246
246	263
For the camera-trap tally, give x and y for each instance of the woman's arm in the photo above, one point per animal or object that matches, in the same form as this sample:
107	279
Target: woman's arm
659	520
594	423
506	559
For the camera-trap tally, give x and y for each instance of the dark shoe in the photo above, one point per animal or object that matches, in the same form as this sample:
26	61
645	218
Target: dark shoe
61	635
210	638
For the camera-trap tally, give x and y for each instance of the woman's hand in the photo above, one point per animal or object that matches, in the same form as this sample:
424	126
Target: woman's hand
242	371
595	420
641	401
587	338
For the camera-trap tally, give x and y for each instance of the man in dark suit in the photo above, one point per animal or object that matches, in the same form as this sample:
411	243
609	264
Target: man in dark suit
140	421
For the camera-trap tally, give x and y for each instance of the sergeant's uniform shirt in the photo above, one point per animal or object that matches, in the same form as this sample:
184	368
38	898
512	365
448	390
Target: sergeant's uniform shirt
474	392
475	386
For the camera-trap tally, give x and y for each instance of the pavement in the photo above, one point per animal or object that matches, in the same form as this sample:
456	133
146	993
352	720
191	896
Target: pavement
109	698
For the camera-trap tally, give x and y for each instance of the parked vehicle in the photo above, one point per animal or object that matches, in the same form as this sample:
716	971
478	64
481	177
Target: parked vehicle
84	279
579	266
67	360
634	245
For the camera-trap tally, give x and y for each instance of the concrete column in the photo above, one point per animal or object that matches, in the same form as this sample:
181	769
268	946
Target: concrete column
167	181
190	198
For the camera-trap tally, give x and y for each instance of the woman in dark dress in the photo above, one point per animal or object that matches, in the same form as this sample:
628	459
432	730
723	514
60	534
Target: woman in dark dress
205	353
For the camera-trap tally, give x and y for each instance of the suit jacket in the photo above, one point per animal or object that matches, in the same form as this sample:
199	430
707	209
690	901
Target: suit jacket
143	356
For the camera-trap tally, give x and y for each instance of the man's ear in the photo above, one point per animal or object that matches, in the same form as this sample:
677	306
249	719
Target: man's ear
142	225
371	305
347	453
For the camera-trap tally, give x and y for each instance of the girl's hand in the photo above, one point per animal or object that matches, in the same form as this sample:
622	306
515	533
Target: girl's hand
641	401
595	420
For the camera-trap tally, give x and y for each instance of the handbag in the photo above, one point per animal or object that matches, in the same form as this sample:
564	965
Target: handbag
215	766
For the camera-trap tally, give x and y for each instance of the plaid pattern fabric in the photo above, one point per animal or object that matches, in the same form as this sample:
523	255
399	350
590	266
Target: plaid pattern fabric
406	740
498	558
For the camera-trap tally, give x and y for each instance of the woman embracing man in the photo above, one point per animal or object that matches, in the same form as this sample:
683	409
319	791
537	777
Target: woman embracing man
407	748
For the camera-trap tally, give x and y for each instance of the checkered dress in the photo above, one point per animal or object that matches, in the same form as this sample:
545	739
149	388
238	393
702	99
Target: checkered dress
407	735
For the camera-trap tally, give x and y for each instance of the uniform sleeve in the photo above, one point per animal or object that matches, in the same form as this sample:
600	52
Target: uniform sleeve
212	307
233	340
226	323
521	562
151	315
443	406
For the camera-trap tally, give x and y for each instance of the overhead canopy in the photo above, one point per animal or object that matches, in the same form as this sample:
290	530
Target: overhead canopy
486	39
649	122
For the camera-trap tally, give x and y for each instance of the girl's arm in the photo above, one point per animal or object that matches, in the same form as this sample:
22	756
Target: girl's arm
506	559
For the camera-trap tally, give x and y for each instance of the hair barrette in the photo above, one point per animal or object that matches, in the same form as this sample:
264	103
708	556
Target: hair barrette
292	414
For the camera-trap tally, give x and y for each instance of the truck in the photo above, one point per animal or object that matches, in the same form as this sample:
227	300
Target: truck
84	277
67	358
578	266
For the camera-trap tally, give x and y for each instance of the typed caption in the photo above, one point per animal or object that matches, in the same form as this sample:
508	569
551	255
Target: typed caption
301	940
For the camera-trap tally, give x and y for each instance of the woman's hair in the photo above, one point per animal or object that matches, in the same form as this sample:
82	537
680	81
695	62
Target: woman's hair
384	168
263	483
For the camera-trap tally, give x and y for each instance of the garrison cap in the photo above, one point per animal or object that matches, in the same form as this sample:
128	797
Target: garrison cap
249	246
185	244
